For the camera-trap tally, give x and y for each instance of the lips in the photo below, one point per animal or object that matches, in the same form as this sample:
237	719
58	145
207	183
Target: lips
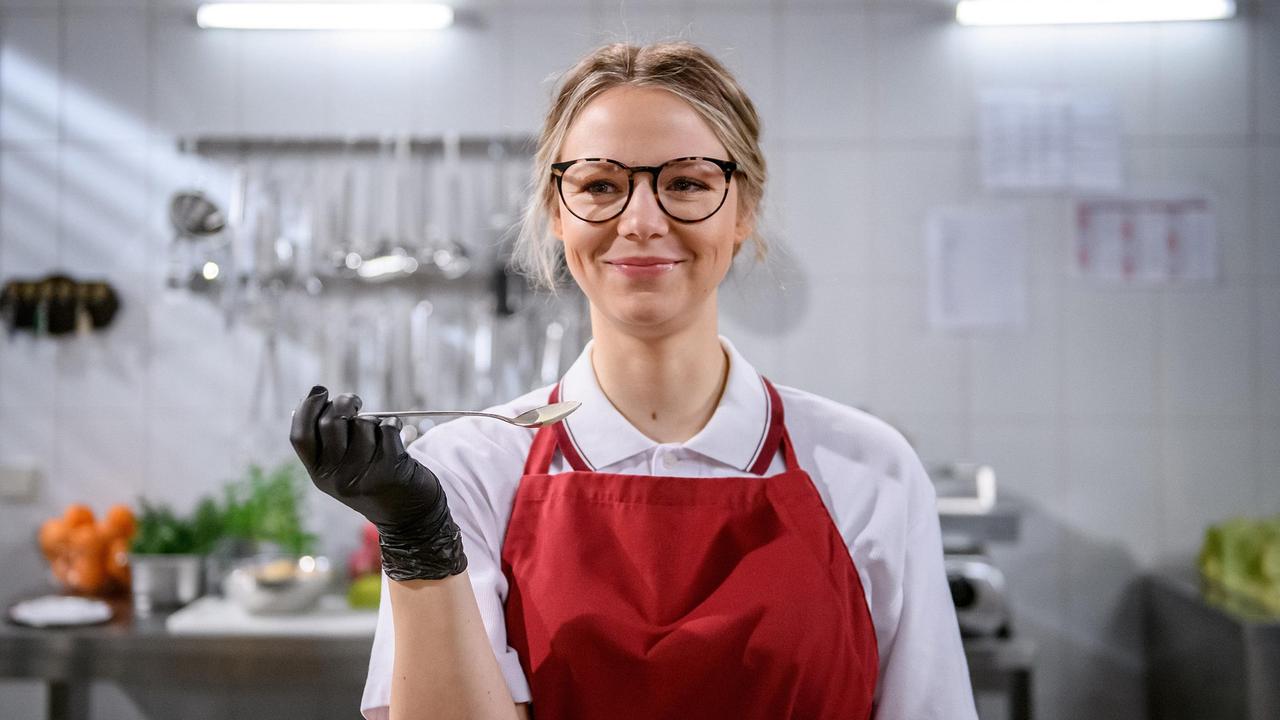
643	261
643	267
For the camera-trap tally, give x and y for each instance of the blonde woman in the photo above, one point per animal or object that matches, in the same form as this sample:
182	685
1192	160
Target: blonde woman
693	542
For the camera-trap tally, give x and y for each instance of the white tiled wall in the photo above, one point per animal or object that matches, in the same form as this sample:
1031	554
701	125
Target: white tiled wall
1124	419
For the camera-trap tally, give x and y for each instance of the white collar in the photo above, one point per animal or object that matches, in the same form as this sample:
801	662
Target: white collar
733	436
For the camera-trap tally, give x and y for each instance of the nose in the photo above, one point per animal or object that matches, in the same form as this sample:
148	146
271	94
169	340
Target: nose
642	218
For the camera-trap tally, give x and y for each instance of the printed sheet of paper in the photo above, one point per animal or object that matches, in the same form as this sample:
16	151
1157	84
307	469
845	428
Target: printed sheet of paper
1034	139
1146	240
977	265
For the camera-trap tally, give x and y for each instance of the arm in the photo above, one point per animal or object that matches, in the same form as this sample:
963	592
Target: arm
444	667
925	673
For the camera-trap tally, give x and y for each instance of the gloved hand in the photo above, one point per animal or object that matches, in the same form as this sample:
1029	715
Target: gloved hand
363	464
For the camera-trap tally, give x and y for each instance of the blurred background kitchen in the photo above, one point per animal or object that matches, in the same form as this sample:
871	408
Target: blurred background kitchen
1049	254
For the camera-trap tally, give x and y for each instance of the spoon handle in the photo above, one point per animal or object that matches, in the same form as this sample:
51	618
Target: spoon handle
415	413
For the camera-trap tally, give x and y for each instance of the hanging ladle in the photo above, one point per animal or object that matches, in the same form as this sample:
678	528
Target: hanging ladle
535	418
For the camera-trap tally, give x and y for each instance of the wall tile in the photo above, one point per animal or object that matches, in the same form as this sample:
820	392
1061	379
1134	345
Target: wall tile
1266	349
191	453
907	181
1204	353
826	71
828	344
826	200
28	437
194	86
28	371
30	79
108	369
1265	252
458	84
28	212
195	361
756	309
1109	345
1209	471
1016	371
1267	493
1120	61
105	91
1224	173
1264	17
104	202
1112	485
535	47
922	86
1202	87
1013	57
745	40
1024	456
101	455
914	369
285	85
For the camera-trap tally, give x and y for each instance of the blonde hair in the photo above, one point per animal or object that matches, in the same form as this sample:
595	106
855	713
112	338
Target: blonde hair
679	67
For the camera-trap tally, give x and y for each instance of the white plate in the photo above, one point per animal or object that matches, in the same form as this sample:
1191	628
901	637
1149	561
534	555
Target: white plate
59	611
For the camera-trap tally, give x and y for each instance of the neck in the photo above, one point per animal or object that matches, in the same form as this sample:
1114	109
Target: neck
669	386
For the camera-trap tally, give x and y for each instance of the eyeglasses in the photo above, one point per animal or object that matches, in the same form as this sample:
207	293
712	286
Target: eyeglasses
688	189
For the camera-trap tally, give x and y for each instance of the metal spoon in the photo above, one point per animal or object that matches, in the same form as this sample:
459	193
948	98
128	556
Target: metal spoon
535	418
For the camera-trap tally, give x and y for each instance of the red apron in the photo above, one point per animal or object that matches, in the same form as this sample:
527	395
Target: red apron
641	596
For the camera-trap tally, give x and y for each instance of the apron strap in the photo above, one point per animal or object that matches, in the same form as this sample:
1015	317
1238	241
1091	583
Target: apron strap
556	437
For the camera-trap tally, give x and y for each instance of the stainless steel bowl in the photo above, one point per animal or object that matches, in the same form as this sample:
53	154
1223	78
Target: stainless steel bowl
277	585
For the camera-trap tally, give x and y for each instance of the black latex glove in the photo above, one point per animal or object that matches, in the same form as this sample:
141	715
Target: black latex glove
363	464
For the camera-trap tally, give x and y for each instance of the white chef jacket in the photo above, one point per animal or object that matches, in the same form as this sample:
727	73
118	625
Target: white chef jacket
870	479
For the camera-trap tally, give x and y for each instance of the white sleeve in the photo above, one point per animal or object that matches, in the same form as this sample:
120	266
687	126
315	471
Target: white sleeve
479	478
924	675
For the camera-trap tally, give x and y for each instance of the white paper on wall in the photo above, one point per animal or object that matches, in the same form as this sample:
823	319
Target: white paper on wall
1041	139
1146	240
977	267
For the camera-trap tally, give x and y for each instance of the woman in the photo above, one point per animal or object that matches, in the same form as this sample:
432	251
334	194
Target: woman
694	541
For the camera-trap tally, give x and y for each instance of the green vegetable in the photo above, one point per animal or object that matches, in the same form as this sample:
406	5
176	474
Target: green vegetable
263	506
1242	557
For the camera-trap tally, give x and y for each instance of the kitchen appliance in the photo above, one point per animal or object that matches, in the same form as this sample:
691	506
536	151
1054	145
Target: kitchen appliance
971	517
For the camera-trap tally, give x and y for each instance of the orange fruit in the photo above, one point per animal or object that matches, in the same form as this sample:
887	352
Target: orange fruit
87	575
53	537
120	522
87	541
117	560
60	565
78	514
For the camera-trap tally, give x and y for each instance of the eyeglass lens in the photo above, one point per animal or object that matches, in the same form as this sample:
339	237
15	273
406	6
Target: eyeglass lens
688	190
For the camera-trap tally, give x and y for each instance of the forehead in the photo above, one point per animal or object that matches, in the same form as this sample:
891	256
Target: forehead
640	126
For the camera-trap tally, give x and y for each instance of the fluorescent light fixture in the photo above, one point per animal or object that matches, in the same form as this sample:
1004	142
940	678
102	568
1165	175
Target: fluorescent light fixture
1059	12
324	16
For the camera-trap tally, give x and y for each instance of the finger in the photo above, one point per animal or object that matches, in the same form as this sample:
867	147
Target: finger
335	429
348	404
390	444
332	429
302	430
361	446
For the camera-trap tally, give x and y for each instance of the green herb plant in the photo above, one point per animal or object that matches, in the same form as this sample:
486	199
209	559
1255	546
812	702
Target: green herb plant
264	506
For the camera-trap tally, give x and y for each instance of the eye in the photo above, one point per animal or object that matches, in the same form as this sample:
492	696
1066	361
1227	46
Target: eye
686	185
599	186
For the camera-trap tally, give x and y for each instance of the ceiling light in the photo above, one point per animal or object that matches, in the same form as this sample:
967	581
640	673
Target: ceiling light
1056	12
324	16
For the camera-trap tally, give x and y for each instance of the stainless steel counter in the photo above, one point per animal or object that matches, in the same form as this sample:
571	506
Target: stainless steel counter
170	676
1208	660
179	676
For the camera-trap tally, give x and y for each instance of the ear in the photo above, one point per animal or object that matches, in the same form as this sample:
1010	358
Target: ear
746	224
557	225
